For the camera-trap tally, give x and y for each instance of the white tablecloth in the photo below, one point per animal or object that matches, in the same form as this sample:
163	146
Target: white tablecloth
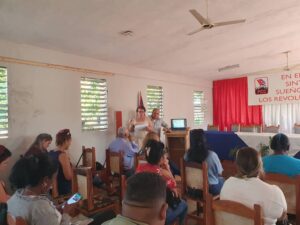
255	139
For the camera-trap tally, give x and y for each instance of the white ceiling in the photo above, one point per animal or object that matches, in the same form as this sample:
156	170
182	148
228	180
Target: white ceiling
91	28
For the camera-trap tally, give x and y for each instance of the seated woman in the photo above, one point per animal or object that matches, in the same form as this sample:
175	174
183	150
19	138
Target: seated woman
5	155
61	158
199	153
280	161
248	189
40	145
32	177
158	163
140	125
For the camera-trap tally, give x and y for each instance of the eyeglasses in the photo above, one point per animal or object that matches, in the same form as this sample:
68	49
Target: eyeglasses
141	111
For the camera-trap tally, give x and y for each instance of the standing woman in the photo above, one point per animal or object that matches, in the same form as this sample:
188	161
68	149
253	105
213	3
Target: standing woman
5	155
40	145
140	125
61	158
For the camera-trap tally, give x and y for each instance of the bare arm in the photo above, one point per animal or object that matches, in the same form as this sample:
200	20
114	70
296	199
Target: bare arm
66	166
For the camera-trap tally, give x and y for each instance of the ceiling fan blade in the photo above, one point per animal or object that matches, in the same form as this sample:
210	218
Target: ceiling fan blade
198	17
196	31
229	22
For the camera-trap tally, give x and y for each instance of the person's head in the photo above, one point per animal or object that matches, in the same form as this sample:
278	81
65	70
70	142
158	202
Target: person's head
248	163
42	141
123	132
150	136
155	113
35	171
154	152
145	198
63	139
141	112
198	151
5	155
280	143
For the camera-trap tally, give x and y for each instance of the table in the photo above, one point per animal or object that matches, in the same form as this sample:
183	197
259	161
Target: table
255	139
223	142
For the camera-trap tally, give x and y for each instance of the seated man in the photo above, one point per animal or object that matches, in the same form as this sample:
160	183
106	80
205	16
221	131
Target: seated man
144	202
124	143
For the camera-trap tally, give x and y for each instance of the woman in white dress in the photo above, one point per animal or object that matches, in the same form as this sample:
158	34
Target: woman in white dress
140	125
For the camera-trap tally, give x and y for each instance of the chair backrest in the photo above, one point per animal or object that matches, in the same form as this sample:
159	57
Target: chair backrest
114	162
271	129
290	188
83	183
139	159
89	157
213	127
226	212
297	128
235	127
194	175
248	128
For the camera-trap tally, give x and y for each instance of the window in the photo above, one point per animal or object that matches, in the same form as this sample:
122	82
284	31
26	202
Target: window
199	107
93	104
3	103
155	99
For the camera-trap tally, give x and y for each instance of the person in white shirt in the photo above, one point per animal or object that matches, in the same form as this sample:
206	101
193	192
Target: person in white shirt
158	122
248	189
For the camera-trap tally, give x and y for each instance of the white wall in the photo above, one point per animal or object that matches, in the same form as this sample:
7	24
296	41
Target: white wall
47	100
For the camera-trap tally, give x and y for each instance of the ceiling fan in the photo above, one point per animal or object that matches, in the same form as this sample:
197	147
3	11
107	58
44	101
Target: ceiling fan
207	24
279	69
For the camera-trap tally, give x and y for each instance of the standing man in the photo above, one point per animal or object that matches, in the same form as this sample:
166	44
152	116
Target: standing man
158	123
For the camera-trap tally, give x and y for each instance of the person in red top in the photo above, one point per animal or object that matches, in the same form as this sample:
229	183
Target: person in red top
157	162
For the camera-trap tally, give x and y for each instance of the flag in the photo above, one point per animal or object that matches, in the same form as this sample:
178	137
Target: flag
140	99
261	82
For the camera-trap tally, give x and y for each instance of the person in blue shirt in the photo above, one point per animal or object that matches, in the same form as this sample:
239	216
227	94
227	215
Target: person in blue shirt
280	162
124	143
199	153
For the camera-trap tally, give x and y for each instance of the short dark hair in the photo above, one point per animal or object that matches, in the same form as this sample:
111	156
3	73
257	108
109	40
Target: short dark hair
145	189
4	153
29	171
280	142
141	107
248	162
62	136
154	151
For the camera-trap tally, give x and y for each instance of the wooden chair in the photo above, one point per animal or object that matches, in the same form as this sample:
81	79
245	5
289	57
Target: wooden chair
114	167
139	159
226	212
84	185
213	127
270	129
291	190
123	186
194	176
89	157
235	127
249	128
297	128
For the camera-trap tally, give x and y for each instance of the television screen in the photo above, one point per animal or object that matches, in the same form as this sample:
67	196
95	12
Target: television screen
178	124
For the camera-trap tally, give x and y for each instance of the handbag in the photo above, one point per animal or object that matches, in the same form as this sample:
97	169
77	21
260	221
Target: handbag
172	200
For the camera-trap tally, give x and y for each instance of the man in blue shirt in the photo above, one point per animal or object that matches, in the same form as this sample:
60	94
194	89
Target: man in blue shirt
124	143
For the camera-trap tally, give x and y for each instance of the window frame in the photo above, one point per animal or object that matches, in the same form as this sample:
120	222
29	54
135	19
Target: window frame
102	100
199	108
152	105
6	131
